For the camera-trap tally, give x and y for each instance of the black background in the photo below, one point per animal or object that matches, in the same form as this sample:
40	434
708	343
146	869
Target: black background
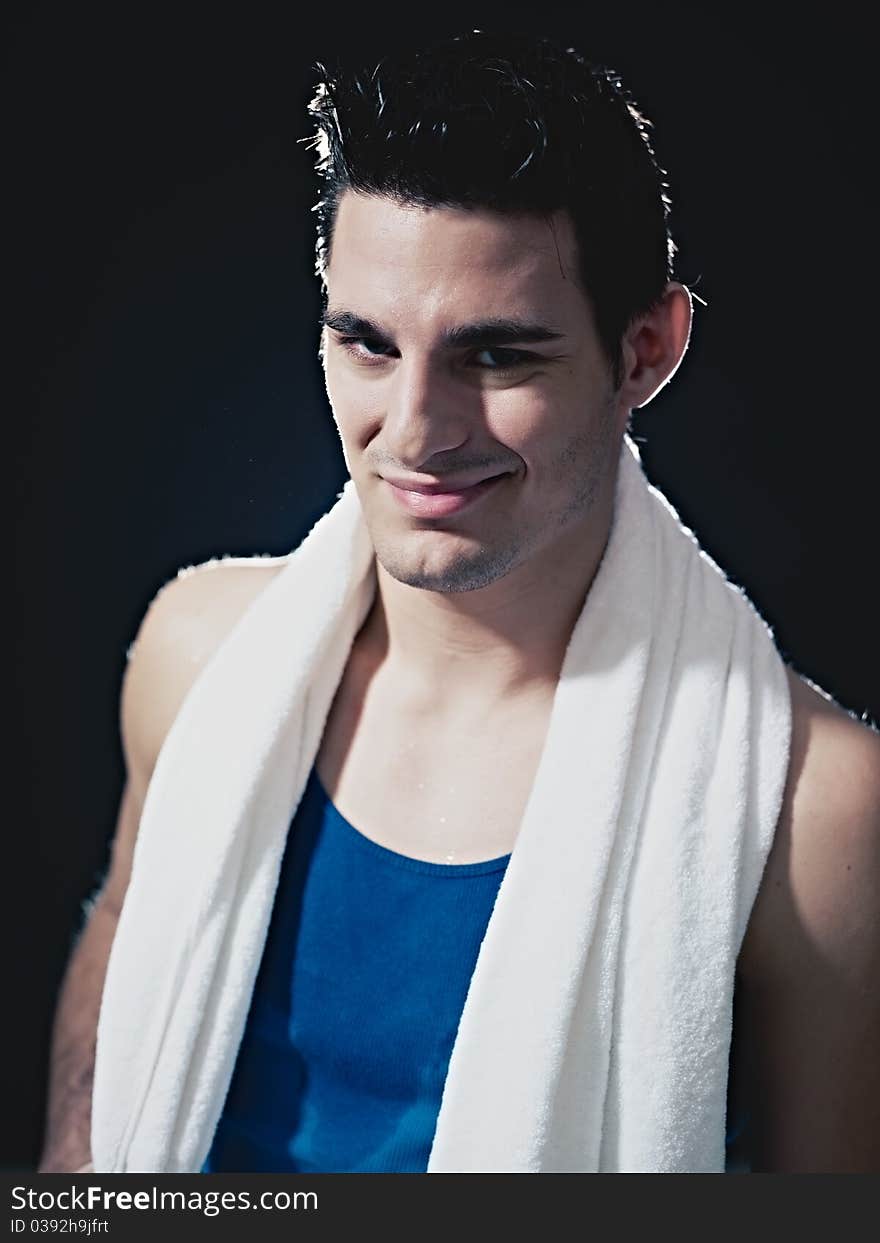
166	402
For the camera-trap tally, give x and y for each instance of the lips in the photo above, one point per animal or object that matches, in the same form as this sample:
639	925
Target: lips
439	500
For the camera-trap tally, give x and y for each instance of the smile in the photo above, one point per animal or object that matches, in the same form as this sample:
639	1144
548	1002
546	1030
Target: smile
441	504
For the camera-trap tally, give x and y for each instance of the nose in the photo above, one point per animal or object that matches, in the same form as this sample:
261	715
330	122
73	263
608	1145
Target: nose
426	414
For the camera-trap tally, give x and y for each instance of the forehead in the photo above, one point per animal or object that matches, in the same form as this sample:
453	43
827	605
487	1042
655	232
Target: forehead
400	263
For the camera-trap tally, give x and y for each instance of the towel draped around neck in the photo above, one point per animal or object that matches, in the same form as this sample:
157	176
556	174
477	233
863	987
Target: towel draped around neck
596	1030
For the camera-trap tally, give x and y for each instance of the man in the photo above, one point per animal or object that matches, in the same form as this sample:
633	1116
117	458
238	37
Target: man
496	261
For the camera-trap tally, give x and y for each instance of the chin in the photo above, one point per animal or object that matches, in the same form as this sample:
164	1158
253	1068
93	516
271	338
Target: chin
451	573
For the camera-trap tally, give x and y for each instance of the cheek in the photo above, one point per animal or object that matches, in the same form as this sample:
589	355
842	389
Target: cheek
356	406
530	421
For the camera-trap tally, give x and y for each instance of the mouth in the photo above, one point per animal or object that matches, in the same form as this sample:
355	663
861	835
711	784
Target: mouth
423	503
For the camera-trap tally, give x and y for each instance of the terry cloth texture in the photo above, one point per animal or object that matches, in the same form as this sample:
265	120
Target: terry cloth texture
596	1028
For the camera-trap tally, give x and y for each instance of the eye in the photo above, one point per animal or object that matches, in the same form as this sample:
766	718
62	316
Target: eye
506	359
363	348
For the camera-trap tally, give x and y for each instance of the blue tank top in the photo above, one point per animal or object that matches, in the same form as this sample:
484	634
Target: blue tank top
365	970
364	974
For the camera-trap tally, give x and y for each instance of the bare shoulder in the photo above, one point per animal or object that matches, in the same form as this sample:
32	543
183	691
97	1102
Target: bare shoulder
809	967
181	629
826	852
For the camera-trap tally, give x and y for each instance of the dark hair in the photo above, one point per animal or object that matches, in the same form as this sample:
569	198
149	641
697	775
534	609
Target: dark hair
515	123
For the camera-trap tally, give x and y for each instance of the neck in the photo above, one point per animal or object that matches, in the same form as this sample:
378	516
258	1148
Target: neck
503	640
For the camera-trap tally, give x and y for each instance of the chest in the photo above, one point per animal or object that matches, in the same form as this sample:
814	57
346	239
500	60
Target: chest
448	787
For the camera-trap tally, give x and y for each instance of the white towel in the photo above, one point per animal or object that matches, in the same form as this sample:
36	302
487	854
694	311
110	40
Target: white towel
596	1030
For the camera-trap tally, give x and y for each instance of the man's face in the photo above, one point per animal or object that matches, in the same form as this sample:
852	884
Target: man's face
437	384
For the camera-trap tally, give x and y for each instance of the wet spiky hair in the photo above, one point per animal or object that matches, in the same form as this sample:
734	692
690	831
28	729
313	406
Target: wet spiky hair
515	123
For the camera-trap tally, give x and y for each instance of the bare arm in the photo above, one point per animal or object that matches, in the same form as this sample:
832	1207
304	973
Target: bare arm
180	631
810	966
66	1141
66	1146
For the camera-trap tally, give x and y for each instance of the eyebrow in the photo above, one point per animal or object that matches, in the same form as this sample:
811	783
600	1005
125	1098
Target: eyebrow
486	332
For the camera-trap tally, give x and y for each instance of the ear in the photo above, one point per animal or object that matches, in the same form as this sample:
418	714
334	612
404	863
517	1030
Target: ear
654	345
